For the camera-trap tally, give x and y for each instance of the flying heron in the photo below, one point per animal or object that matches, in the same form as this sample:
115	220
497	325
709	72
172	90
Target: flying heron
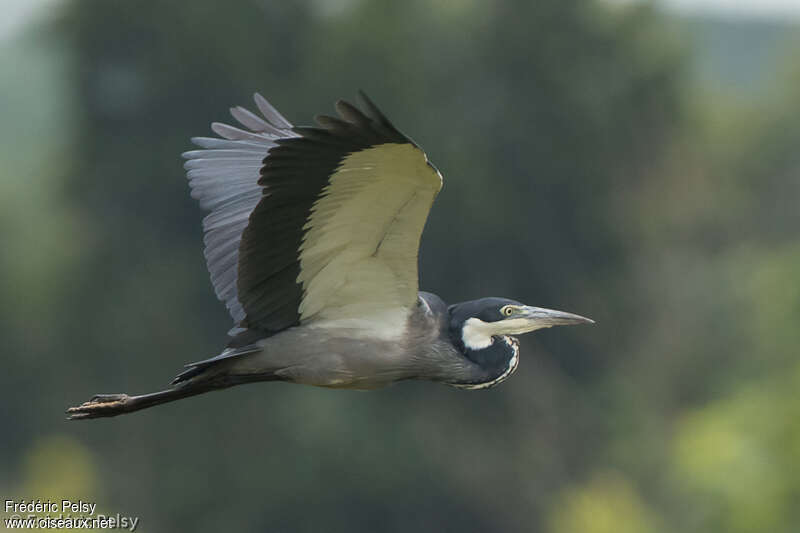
312	242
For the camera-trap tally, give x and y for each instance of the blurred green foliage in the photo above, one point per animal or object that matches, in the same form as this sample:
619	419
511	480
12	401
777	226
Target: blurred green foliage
58	466
607	503
587	167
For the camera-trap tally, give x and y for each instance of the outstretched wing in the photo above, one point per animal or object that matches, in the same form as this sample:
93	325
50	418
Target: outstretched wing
334	238
223	177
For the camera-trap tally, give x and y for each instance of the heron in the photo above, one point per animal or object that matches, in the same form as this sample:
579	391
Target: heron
312	242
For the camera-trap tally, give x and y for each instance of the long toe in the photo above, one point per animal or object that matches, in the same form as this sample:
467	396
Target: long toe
99	406
104	398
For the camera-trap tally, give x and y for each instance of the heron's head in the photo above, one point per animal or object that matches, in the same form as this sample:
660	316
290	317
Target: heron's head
477	322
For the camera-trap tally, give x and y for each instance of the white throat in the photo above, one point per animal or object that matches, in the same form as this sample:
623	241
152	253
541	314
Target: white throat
477	334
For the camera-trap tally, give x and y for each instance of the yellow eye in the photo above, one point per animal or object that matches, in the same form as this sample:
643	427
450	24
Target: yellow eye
507	310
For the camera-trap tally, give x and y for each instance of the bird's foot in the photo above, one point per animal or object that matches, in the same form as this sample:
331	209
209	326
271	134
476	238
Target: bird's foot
99	406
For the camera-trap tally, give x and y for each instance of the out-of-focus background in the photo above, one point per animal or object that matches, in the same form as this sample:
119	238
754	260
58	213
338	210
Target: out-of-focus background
638	163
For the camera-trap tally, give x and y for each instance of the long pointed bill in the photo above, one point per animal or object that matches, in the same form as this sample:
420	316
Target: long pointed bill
539	317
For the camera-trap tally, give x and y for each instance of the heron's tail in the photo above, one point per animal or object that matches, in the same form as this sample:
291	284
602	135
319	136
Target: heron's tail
200	367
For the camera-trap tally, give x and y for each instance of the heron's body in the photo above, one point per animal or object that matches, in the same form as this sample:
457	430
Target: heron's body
327	354
312	242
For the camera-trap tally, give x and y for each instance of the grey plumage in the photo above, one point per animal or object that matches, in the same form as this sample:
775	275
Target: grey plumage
352	359
224	179
311	242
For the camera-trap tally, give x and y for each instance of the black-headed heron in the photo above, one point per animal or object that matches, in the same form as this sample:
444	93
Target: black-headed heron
312	242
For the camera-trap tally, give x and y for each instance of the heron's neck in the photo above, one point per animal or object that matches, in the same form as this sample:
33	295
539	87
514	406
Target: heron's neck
496	362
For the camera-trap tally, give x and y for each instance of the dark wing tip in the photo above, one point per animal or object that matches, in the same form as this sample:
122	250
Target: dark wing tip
352	114
372	110
329	122
376	118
